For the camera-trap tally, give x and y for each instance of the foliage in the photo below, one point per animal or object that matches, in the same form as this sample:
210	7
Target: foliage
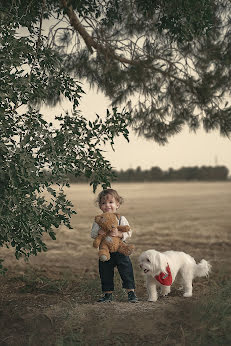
167	61
31	72
181	20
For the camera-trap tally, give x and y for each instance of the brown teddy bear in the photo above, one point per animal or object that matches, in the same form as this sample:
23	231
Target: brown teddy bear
107	222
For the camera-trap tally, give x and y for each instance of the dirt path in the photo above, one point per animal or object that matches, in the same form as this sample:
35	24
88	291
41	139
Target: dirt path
64	321
43	306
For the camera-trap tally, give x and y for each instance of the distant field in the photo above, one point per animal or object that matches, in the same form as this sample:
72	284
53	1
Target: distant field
52	299
180	216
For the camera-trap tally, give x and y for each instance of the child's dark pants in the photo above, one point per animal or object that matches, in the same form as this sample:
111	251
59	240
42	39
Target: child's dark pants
124	265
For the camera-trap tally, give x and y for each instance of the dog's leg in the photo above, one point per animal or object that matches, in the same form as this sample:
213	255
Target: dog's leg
151	288
181	284
187	278
165	290
188	291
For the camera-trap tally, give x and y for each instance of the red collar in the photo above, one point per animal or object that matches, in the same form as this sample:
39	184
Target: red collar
165	279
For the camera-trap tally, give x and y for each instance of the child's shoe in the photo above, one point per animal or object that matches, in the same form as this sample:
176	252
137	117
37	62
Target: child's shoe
132	298
106	298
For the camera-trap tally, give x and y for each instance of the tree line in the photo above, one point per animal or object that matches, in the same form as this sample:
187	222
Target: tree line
203	173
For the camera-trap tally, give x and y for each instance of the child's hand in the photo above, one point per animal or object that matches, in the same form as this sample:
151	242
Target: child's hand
101	232
116	233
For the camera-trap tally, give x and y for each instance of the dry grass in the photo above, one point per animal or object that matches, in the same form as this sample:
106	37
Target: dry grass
52	298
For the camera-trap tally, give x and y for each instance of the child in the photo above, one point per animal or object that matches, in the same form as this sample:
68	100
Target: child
109	201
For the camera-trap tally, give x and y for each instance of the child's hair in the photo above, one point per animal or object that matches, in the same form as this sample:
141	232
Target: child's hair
111	192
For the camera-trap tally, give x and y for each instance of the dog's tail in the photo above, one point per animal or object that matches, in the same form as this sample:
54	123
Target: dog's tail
203	268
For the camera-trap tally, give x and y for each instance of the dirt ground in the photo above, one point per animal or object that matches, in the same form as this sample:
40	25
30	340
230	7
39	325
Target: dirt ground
52	299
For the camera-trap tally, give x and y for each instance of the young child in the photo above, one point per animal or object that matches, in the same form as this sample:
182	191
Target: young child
109	201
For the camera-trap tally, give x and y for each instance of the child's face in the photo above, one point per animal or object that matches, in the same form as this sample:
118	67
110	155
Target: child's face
109	204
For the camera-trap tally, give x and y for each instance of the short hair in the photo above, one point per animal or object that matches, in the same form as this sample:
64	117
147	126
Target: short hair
107	192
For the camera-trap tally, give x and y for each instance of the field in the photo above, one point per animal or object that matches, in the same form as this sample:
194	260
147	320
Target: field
52	299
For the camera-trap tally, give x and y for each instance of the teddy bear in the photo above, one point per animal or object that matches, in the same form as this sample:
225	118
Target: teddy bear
107	222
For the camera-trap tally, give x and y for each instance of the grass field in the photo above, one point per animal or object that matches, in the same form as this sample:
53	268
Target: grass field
51	299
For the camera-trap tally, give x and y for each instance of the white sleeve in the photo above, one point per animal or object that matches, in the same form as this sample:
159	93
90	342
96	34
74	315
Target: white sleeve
124	222
95	230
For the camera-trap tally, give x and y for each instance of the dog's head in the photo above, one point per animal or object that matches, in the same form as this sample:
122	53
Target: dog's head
152	262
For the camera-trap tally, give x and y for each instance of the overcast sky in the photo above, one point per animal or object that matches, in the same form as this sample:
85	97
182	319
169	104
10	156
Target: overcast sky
184	149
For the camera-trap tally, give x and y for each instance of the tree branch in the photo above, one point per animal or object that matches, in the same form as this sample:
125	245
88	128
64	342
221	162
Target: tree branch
107	51
89	41
40	26
39	38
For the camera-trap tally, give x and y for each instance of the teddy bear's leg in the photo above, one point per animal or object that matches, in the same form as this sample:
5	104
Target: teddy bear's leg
97	241
104	254
126	249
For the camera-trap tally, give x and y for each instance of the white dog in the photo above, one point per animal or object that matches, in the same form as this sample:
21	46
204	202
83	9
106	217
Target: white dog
161	270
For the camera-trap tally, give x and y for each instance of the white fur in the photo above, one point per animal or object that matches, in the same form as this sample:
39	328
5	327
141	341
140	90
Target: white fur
153	263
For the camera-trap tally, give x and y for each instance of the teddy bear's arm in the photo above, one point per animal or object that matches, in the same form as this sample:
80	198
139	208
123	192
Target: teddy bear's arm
123	228
98	240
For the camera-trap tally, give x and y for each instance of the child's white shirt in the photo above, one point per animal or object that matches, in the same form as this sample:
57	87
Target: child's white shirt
123	222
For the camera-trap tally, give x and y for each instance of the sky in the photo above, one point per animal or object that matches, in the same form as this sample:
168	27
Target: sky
185	149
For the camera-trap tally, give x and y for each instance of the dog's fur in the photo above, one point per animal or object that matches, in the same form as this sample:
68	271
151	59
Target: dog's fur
153	263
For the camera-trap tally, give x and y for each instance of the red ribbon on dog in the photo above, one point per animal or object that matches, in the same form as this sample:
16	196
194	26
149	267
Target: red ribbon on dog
165	278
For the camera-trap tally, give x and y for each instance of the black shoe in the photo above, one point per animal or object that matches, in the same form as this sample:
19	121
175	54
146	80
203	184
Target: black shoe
106	298
132	298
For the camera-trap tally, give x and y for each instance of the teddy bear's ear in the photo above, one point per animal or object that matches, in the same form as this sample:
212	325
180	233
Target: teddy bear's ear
97	217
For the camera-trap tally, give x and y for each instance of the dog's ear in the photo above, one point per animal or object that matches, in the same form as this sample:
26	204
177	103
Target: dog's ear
159	262
154	258
162	262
